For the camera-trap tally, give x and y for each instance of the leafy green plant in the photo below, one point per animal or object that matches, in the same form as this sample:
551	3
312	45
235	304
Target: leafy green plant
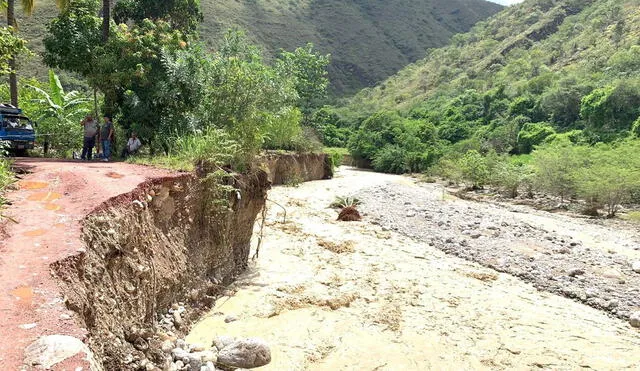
391	159
336	156
6	175
554	167
474	169
58	114
342	202
610	176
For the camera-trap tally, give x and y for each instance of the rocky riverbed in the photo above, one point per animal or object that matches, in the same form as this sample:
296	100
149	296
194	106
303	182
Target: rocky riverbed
406	288
554	252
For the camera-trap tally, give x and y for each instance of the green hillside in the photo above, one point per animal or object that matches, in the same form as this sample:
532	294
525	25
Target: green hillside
528	48
368	39
535	71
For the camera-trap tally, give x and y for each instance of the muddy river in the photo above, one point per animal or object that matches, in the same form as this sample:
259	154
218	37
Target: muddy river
328	295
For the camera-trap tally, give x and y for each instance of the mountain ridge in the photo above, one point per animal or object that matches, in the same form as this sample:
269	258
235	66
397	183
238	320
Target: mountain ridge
369	40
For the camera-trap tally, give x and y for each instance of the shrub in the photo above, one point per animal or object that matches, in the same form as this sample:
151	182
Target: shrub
212	146
532	135
336	156
611	176
6	176
391	159
448	169
509	176
282	130
474	169
554	165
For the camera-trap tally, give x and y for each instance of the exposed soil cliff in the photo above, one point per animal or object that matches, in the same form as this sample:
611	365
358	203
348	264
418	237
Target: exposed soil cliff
291	168
169	240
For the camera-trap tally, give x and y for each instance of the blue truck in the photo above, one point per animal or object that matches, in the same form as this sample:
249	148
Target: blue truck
16	130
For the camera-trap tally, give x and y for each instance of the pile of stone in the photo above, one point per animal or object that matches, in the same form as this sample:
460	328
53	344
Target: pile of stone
226	353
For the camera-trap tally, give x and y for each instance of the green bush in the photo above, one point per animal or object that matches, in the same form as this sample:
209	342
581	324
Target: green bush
391	159
336	156
6	175
474	169
610	177
532	135
282	130
554	167
509	176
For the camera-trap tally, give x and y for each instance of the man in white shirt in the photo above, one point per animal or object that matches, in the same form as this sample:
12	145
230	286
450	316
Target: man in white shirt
133	145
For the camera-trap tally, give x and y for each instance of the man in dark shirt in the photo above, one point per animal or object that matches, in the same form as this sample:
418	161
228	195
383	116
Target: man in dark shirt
106	134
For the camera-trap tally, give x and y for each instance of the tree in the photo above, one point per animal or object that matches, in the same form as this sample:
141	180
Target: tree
184	15
10	46
533	134
554	166
27	7
309	71
610	176
474	169
106	20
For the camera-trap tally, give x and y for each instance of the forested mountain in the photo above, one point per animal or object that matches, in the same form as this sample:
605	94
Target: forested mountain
369	40
538	70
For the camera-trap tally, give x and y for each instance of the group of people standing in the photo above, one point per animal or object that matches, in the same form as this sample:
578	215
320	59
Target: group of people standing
104	135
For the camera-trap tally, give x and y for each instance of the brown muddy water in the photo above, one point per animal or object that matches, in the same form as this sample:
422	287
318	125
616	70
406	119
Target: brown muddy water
328	295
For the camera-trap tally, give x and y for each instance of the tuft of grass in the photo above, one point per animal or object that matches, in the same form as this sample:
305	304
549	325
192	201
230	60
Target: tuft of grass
633	216
213	146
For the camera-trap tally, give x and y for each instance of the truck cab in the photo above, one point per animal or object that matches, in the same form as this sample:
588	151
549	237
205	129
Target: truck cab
16	130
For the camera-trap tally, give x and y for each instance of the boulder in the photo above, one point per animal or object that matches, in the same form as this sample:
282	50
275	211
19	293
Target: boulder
50	350
636	266
634	320
245	353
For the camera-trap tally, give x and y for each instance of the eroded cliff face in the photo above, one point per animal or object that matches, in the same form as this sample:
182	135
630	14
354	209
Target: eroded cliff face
178	239
292	168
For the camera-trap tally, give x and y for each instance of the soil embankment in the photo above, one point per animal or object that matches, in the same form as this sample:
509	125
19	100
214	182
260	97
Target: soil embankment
293	168
49	208
102	251
329	295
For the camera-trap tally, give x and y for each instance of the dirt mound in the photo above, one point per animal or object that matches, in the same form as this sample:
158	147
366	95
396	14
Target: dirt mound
349	214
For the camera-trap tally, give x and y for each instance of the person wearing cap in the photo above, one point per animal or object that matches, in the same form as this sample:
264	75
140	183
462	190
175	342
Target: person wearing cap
106	135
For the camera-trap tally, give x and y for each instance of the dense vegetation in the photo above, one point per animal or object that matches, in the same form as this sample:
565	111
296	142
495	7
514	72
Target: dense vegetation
541	73
368	40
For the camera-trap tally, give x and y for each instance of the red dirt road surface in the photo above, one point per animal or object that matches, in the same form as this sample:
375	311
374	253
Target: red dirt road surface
48	207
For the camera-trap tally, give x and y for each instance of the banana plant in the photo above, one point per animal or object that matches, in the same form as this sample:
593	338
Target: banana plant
59	114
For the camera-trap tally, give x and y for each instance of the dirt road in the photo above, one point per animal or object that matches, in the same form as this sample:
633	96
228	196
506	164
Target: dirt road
48	207
341	296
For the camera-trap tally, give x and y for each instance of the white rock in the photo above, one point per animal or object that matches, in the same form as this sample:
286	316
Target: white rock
53	349
167	346
634	320
245	353
636	267
222	341
179	353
